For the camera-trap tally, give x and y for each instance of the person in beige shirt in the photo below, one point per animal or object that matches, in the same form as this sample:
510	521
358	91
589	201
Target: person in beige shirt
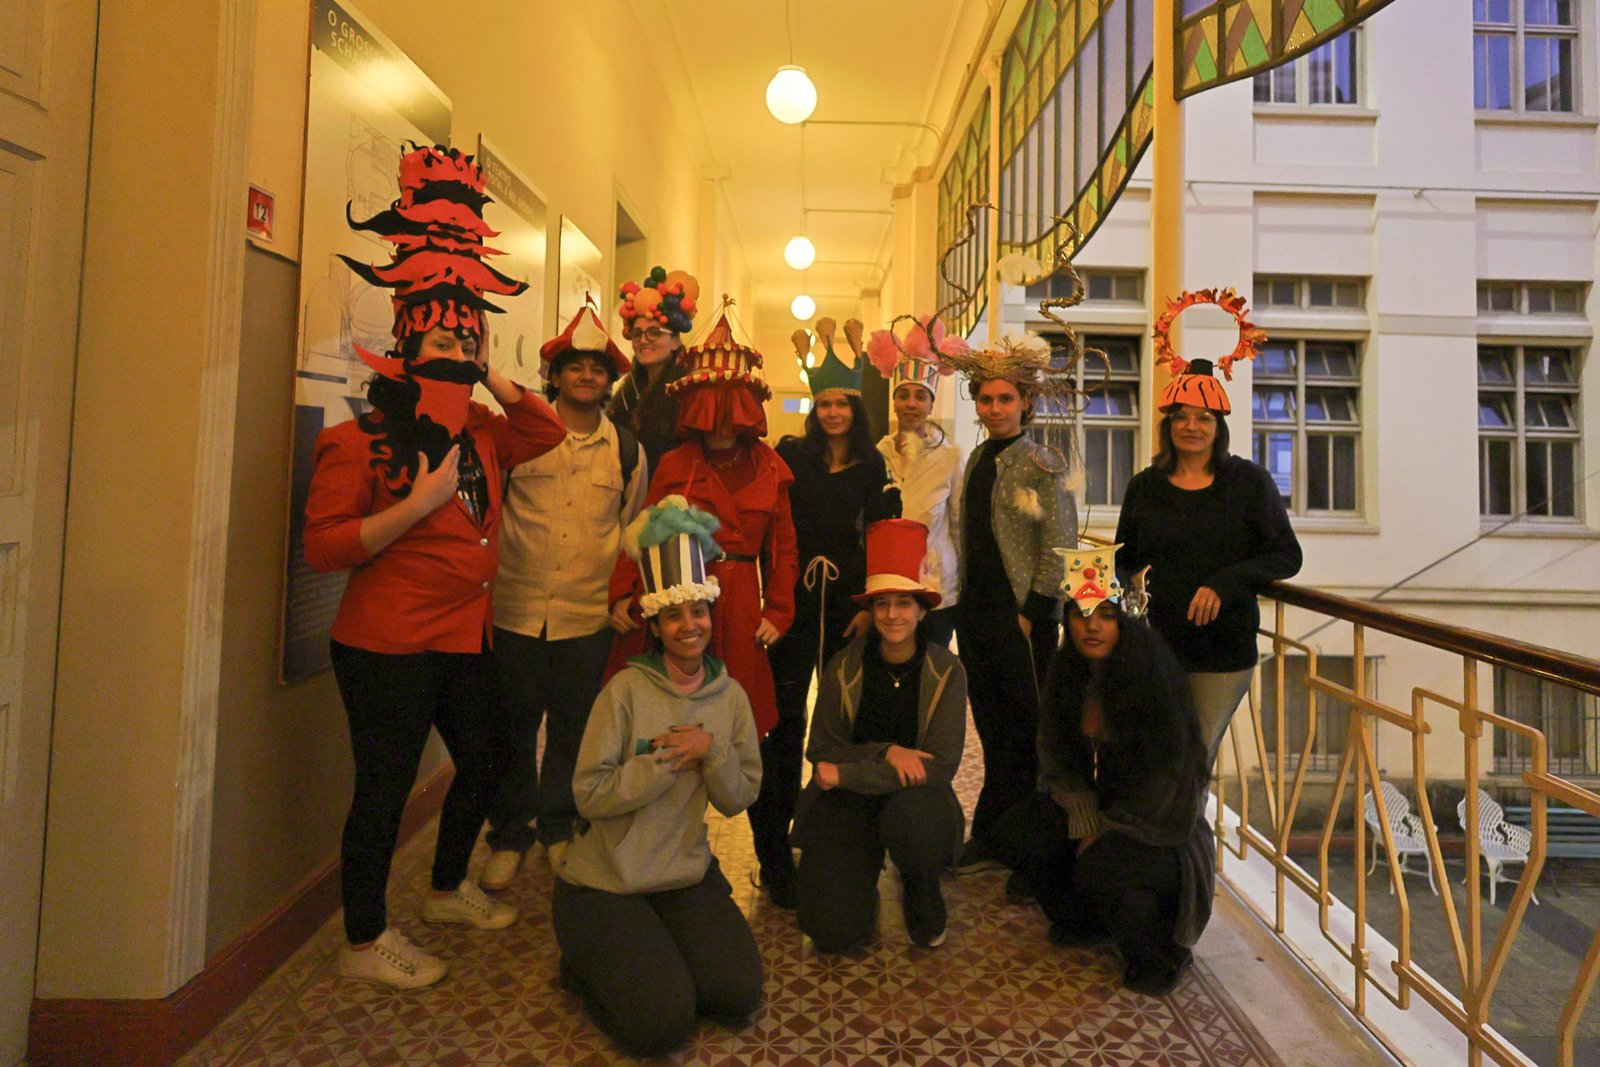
562	523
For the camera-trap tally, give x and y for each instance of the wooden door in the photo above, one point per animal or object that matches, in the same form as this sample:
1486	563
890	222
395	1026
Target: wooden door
46	84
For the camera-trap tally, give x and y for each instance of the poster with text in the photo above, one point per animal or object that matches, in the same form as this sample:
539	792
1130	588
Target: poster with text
582	271
366	103
517	214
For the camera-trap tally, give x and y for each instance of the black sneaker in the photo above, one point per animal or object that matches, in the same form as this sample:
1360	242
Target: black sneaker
926	916
781	893
1076	935
1155	978
1020	889
975	857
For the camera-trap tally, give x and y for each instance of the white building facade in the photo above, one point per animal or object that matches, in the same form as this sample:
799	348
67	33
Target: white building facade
1413	213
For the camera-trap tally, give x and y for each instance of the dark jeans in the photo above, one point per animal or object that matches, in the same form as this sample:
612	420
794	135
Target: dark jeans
555	681
1004	675
646	965
794	661
939	625
391	701
1120	888
843	838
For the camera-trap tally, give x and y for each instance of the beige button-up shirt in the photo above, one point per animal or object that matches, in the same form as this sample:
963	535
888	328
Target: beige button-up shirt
561	528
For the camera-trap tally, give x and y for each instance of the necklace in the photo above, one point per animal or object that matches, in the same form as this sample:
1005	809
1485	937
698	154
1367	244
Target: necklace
724	464
902	676
579	439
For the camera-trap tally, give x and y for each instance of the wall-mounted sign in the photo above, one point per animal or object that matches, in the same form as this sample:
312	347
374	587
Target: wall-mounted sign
259	222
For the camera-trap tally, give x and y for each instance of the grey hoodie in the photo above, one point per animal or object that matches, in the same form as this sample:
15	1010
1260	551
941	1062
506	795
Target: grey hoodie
646	829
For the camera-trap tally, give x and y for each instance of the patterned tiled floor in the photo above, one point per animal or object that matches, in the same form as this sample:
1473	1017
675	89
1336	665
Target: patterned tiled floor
996	993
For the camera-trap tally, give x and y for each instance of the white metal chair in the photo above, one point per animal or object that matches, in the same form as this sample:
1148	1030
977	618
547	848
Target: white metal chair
1410	837
1499	842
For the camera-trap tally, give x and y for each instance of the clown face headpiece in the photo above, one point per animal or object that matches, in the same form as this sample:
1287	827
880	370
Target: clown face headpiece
897	555
914	359
671	542
583	334
664	300
1193	382
723	392
438	275
1091	580
834	374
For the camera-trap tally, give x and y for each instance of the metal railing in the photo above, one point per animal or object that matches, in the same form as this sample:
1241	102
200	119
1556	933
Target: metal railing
1403	979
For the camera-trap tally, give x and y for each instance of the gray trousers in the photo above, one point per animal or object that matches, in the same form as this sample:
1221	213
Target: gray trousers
1216	698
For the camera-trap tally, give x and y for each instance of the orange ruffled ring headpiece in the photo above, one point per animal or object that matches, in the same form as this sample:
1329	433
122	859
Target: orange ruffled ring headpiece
1192	380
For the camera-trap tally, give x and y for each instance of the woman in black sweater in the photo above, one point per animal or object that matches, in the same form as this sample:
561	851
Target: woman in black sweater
840	487
1123	852
1212	529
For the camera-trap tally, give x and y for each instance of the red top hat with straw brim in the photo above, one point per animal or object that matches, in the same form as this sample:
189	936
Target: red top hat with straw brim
896	552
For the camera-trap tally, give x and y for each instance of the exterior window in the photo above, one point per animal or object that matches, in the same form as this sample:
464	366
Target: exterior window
1568	718
1274	290
1106	419
1528	431
1524	55
1530	298
1307	423
1331	74
1333	715
1100	286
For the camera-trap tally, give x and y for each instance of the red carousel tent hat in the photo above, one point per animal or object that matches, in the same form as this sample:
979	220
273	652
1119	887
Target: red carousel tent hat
897	553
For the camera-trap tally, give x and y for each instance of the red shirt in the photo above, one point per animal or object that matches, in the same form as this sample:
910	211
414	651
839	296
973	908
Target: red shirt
430	590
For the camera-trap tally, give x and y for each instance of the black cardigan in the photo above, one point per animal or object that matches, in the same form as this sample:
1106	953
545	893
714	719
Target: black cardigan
1233	536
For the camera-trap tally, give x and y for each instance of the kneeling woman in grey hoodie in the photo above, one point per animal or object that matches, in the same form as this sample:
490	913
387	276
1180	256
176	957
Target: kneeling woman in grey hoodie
650	936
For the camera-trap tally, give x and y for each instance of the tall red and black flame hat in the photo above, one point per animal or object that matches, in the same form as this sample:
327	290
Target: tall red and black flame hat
438	274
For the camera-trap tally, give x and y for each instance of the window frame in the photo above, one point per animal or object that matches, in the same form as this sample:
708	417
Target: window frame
1519	434
1512	755
1298	505
1086	373
1300	67
1303	285
1327	748
1518	31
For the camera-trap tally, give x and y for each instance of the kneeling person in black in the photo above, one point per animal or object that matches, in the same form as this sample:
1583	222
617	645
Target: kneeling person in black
886	739
1123	764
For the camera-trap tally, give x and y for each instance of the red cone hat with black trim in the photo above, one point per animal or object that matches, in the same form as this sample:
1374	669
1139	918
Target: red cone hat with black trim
583	334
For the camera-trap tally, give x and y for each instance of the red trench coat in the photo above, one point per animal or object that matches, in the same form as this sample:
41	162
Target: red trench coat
756	526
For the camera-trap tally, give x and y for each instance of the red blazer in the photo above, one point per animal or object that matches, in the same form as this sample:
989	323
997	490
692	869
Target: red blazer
430	590
755	522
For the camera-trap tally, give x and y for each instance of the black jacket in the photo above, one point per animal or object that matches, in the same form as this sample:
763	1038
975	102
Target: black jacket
1233	536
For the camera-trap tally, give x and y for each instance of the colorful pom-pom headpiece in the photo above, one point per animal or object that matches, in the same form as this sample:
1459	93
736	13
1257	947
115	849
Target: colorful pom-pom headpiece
913	358
438	275
671	542
665	299
1090	579
1193	382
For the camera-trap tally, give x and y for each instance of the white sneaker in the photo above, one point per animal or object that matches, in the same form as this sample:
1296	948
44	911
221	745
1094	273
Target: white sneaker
392	960
501	870
469	906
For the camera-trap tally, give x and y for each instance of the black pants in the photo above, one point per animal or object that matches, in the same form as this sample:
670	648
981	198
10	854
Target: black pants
794	661
391	701
842	843
1004	675
555	681
939	625
1119	887
647	965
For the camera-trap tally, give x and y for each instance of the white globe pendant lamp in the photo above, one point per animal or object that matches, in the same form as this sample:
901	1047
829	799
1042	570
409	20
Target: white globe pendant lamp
800	253
791	97
803	307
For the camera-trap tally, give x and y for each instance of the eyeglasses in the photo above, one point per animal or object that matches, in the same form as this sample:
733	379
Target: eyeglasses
649	335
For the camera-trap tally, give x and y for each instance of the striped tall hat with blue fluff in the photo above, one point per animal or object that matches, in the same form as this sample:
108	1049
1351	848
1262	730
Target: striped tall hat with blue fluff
671	542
